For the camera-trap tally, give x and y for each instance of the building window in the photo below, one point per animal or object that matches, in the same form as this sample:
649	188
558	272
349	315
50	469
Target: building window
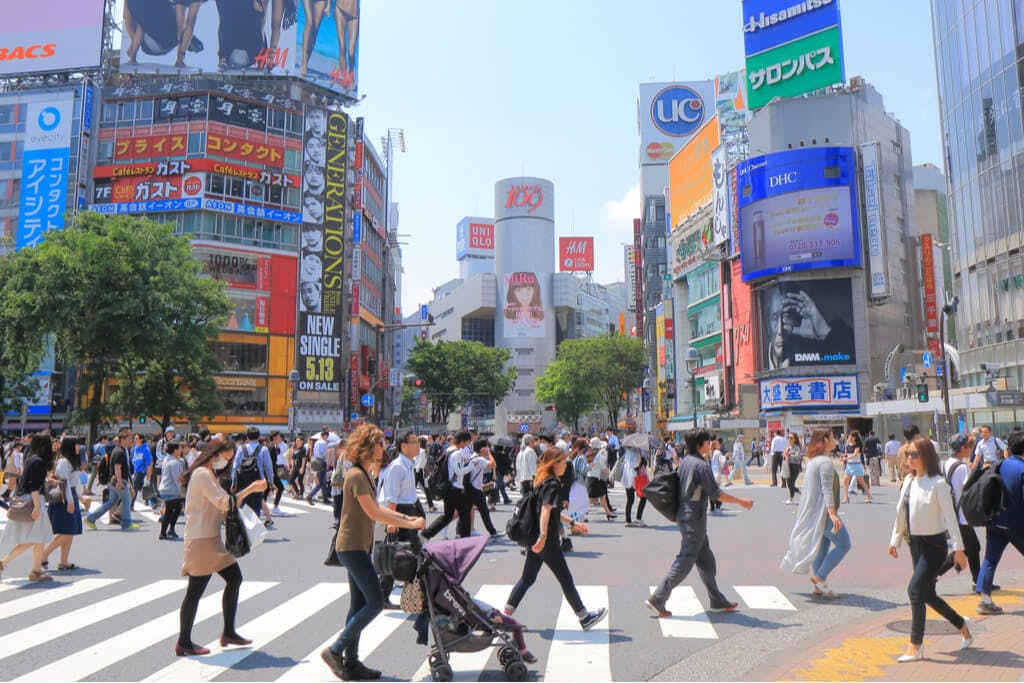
478	329
244	401
238	357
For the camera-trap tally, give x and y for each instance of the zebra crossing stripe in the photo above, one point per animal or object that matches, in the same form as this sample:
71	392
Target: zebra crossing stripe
289	509
576	654
261	630
96	657
688	620
764	597
37	634
55	592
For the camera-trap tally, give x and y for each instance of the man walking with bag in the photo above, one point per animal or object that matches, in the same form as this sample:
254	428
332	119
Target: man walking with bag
398	492
697	486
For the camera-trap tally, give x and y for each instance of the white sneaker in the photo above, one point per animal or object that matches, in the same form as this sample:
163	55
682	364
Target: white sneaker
276	511
789	501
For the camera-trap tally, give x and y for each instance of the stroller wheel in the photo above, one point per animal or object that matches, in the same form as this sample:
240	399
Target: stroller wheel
516	671
443	672
507	655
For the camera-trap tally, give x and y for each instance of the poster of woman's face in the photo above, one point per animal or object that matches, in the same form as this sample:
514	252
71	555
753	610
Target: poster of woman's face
523	313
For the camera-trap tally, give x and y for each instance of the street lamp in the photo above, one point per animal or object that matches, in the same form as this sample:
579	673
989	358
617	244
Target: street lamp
692	362
947	310
293	380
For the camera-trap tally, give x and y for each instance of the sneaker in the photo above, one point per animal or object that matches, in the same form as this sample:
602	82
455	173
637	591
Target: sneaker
89	523
989	608
310	501
630	524
276	511
566	545
171	535
269	524
728	607
357	671
334	662
131	527
789	501
528	656
593	618
498	534
640	523
659	610
163	537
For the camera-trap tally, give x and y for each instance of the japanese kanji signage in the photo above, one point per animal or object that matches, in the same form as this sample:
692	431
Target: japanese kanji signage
135	189
244	150
44	169
791	47
809	393
151	146
931	304
720	207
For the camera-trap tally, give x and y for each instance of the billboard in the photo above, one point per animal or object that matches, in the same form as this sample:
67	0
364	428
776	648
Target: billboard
807	323
871	169
721	210
230	37
62	35
576	254
322	247
44	168
629	262
791	48
474	237
797	211
931	304
808	393
523	312
731	102
689	173
669	114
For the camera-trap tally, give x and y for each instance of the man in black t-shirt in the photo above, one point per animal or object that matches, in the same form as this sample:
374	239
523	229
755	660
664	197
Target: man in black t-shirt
873	455
119	485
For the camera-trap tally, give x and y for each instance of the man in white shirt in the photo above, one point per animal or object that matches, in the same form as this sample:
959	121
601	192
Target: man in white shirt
891	450
479	463
739	461
956	469
398	492
526	464
456	500
318	464
990	449
777	448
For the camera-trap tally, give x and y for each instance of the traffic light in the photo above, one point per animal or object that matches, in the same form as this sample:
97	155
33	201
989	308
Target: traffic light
418	383
142	419
922	393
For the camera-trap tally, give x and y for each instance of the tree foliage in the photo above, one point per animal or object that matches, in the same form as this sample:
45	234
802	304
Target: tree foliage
566	385
455	372
122	298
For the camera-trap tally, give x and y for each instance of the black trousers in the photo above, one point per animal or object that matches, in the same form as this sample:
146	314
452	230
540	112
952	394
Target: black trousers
455	502
630	497
279	485
928	554
421	482
776	466
479	499
972	549
794	472
387	583
298	487
172	510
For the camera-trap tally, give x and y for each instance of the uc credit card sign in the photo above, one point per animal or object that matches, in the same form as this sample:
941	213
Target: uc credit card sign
44	169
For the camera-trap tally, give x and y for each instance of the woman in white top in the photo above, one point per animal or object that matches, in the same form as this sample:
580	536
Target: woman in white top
794	456
66	519
924	515
632	460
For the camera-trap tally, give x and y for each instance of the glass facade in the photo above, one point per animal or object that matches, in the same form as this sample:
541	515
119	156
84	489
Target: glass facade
979	46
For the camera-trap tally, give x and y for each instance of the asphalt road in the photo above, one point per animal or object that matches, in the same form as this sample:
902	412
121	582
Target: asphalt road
116	619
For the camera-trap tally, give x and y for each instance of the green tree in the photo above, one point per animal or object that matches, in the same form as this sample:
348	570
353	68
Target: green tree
566	385
455	372
120	295
610	365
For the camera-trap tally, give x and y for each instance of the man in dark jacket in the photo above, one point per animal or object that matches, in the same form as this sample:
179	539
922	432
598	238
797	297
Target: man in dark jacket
1008	526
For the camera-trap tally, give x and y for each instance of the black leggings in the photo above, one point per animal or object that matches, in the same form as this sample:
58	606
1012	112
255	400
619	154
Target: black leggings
298	487
928	553
172	510
420	481
630	496
280	489
794	472
232	576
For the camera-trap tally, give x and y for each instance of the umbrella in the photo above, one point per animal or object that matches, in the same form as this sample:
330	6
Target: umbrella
502	441
640	441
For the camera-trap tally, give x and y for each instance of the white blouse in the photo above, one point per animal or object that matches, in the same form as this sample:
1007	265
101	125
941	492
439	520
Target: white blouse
931	510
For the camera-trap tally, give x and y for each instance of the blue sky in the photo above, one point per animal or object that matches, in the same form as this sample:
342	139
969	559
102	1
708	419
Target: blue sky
486	90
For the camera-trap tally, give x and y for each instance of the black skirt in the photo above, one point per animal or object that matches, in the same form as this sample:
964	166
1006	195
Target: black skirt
596	488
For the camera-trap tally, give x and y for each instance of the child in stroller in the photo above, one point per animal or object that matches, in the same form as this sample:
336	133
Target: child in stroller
457	622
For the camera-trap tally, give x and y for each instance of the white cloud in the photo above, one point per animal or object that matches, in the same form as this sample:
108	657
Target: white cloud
624	210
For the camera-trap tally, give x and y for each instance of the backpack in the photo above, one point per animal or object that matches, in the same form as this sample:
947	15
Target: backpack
103	469
435	471
949	480
524	525
662	492
248	469
982	497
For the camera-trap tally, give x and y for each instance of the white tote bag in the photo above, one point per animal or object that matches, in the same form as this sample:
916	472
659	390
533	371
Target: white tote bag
254	528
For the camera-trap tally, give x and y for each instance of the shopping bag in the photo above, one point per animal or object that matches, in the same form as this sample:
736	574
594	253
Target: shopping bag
254	529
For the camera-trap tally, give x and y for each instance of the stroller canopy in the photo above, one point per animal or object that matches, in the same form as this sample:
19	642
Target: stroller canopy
457	558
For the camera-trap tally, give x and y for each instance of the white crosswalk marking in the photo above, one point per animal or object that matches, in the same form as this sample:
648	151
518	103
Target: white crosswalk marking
289	509
37	634
576	654
688	620
55	592
764	597
87	662
260	630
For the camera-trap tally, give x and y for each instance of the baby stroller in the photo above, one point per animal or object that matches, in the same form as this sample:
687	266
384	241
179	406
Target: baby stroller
458	623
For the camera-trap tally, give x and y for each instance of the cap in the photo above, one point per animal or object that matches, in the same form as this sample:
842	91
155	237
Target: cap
169	430
958	441
596	444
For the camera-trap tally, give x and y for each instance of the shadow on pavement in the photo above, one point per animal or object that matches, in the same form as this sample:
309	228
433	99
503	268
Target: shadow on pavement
853	600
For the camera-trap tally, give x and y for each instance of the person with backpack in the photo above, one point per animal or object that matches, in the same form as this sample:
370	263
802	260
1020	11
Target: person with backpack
117	472
451	480
99	451
548	495
142	467
956	468
697	487
253	465
925	519
1007	527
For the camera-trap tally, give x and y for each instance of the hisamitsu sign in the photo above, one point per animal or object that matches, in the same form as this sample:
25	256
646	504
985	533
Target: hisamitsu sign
803	393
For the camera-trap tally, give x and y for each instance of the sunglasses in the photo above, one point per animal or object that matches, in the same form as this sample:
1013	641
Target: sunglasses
913	454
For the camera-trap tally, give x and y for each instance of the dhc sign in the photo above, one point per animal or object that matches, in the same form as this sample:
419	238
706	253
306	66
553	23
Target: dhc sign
677	111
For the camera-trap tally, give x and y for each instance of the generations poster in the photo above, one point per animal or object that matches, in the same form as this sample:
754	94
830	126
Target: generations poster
523	313
322	250
807	323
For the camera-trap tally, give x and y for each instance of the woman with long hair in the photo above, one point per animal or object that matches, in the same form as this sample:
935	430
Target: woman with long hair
32	534
66	519
547	550
853	456
819	540
359	511
925	518
794	458
206	506
523	304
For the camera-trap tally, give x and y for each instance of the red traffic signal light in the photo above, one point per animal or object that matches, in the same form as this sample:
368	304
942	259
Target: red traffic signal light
417	382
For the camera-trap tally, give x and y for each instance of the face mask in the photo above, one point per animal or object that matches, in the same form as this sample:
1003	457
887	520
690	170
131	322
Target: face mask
543	447
219	464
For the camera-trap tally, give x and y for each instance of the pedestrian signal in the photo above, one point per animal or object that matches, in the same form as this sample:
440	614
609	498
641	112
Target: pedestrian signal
922	393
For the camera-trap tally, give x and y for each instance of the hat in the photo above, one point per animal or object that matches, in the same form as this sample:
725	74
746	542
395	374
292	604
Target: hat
596	444
958	441
169	430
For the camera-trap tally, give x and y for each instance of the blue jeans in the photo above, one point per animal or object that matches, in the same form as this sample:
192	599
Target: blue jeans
365	602
116	494
321	485
827	560
739	466
996	540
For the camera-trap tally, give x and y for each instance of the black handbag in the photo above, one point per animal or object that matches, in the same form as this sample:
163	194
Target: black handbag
235	539
332	554
384	553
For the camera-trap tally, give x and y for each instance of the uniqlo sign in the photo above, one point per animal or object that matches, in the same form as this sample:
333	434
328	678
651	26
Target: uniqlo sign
576	254
481	236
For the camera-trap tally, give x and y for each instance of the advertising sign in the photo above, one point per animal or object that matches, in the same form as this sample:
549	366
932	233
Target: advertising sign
687	248
523	312
44	169
877	262
238	113
136	189
771	23
321	265
237	269
731	102
576	254
331	58
62	35
807	323
669	114
721	213
474	237
525	198
631	275
931	305
145	146
257	153
638	289
797	211
689	173
809	392
659	332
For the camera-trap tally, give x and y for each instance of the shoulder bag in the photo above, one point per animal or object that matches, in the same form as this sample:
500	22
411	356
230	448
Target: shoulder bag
332	554
235	538
55	493
616	473
21	508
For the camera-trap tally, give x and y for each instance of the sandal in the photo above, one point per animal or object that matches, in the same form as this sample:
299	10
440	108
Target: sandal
38	577
67	567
